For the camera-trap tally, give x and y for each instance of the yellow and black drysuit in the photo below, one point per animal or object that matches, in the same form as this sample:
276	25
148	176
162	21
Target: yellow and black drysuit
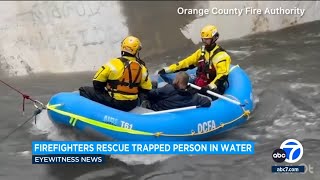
118	83
212	67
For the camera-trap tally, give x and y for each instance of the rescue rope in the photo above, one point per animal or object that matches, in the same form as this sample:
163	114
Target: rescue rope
74	118
25	96
36	112
37	104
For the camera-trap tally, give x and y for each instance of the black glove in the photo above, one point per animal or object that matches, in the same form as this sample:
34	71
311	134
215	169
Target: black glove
162	71
204	90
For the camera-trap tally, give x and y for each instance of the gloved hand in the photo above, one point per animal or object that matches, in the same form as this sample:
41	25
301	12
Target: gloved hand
204	90
212	87
162	71
209	87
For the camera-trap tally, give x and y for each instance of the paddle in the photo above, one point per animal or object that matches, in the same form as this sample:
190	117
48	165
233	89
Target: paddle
216	95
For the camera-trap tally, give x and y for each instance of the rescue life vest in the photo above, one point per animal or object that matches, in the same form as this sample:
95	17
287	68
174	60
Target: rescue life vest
205	70
129	82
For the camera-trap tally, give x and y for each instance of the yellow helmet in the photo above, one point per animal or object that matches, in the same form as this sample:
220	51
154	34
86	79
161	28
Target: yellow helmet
209	31
131	45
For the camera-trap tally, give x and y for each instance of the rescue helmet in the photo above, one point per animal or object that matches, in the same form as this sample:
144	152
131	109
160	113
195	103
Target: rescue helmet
209	31
131	45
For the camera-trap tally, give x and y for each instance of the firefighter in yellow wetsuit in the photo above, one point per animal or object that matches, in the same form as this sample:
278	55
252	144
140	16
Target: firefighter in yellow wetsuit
211	60
118	83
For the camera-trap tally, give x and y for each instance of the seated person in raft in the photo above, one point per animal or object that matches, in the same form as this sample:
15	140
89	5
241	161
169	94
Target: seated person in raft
175	95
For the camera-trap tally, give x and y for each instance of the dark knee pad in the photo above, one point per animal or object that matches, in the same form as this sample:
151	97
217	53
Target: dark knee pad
82	91
86	91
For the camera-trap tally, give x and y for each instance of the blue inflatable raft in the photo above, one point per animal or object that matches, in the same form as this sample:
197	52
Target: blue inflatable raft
184	124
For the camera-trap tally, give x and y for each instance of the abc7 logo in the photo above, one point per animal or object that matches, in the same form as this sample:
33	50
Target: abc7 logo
279	155
291	151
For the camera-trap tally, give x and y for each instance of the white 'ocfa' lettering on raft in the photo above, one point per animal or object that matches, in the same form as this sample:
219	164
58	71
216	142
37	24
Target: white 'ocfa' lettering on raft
206	126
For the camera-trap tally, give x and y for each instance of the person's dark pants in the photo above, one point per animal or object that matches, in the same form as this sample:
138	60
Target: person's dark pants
105	99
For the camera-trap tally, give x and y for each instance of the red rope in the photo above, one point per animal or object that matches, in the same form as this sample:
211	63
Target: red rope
25	96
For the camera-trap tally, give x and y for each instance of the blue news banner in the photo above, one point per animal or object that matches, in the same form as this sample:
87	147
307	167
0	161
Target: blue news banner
54	152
